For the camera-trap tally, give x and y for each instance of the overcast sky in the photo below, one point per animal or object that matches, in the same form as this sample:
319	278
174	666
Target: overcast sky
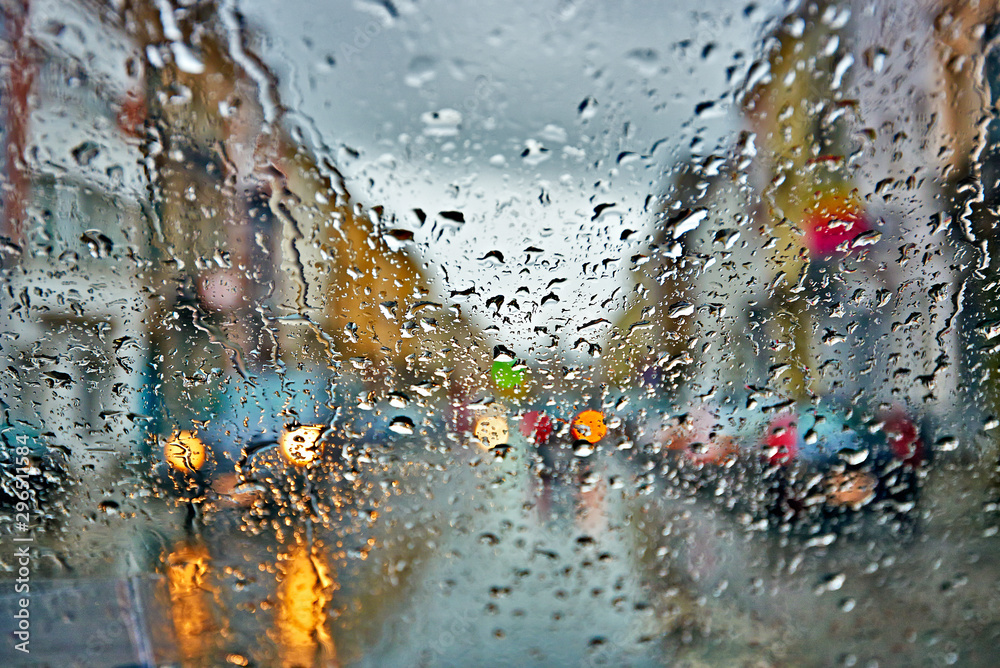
521	115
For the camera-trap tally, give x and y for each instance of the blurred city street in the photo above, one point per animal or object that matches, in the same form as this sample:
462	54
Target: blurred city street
569	333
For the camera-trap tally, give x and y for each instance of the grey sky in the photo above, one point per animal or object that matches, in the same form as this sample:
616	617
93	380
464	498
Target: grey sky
477	107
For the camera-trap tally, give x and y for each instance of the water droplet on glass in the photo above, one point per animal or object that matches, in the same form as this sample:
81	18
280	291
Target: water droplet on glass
402	425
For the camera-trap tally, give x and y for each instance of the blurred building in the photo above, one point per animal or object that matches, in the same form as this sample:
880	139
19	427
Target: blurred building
822	257
75	241
270	277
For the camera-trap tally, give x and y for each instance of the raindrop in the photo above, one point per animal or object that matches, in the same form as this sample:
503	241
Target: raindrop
946	444
685	221
402	425
85	153
587	109
680	309
420	71
108	506
866	239
875	58
854	457
186	60
98	243
441	123
645	61
503	354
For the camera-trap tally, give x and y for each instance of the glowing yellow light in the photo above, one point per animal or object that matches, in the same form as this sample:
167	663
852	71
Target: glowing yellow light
492	430
301	446
305	591
184	451
190	596
589	426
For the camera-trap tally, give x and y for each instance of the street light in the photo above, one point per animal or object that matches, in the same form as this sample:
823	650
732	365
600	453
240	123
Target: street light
184	451
589	426
305	590
491	431
301	445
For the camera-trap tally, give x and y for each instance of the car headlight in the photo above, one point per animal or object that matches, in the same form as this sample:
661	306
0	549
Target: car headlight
301	446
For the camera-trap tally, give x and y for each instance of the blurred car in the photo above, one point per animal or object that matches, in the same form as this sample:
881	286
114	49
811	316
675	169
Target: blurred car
244	423
822	471
31	475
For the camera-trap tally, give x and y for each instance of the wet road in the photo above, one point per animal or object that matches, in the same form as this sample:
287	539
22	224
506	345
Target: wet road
470	561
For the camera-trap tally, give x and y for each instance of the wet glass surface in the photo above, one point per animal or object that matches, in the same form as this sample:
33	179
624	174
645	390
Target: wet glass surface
558	334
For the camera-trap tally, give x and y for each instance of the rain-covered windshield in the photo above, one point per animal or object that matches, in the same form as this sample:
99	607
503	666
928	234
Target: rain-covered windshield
559	333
